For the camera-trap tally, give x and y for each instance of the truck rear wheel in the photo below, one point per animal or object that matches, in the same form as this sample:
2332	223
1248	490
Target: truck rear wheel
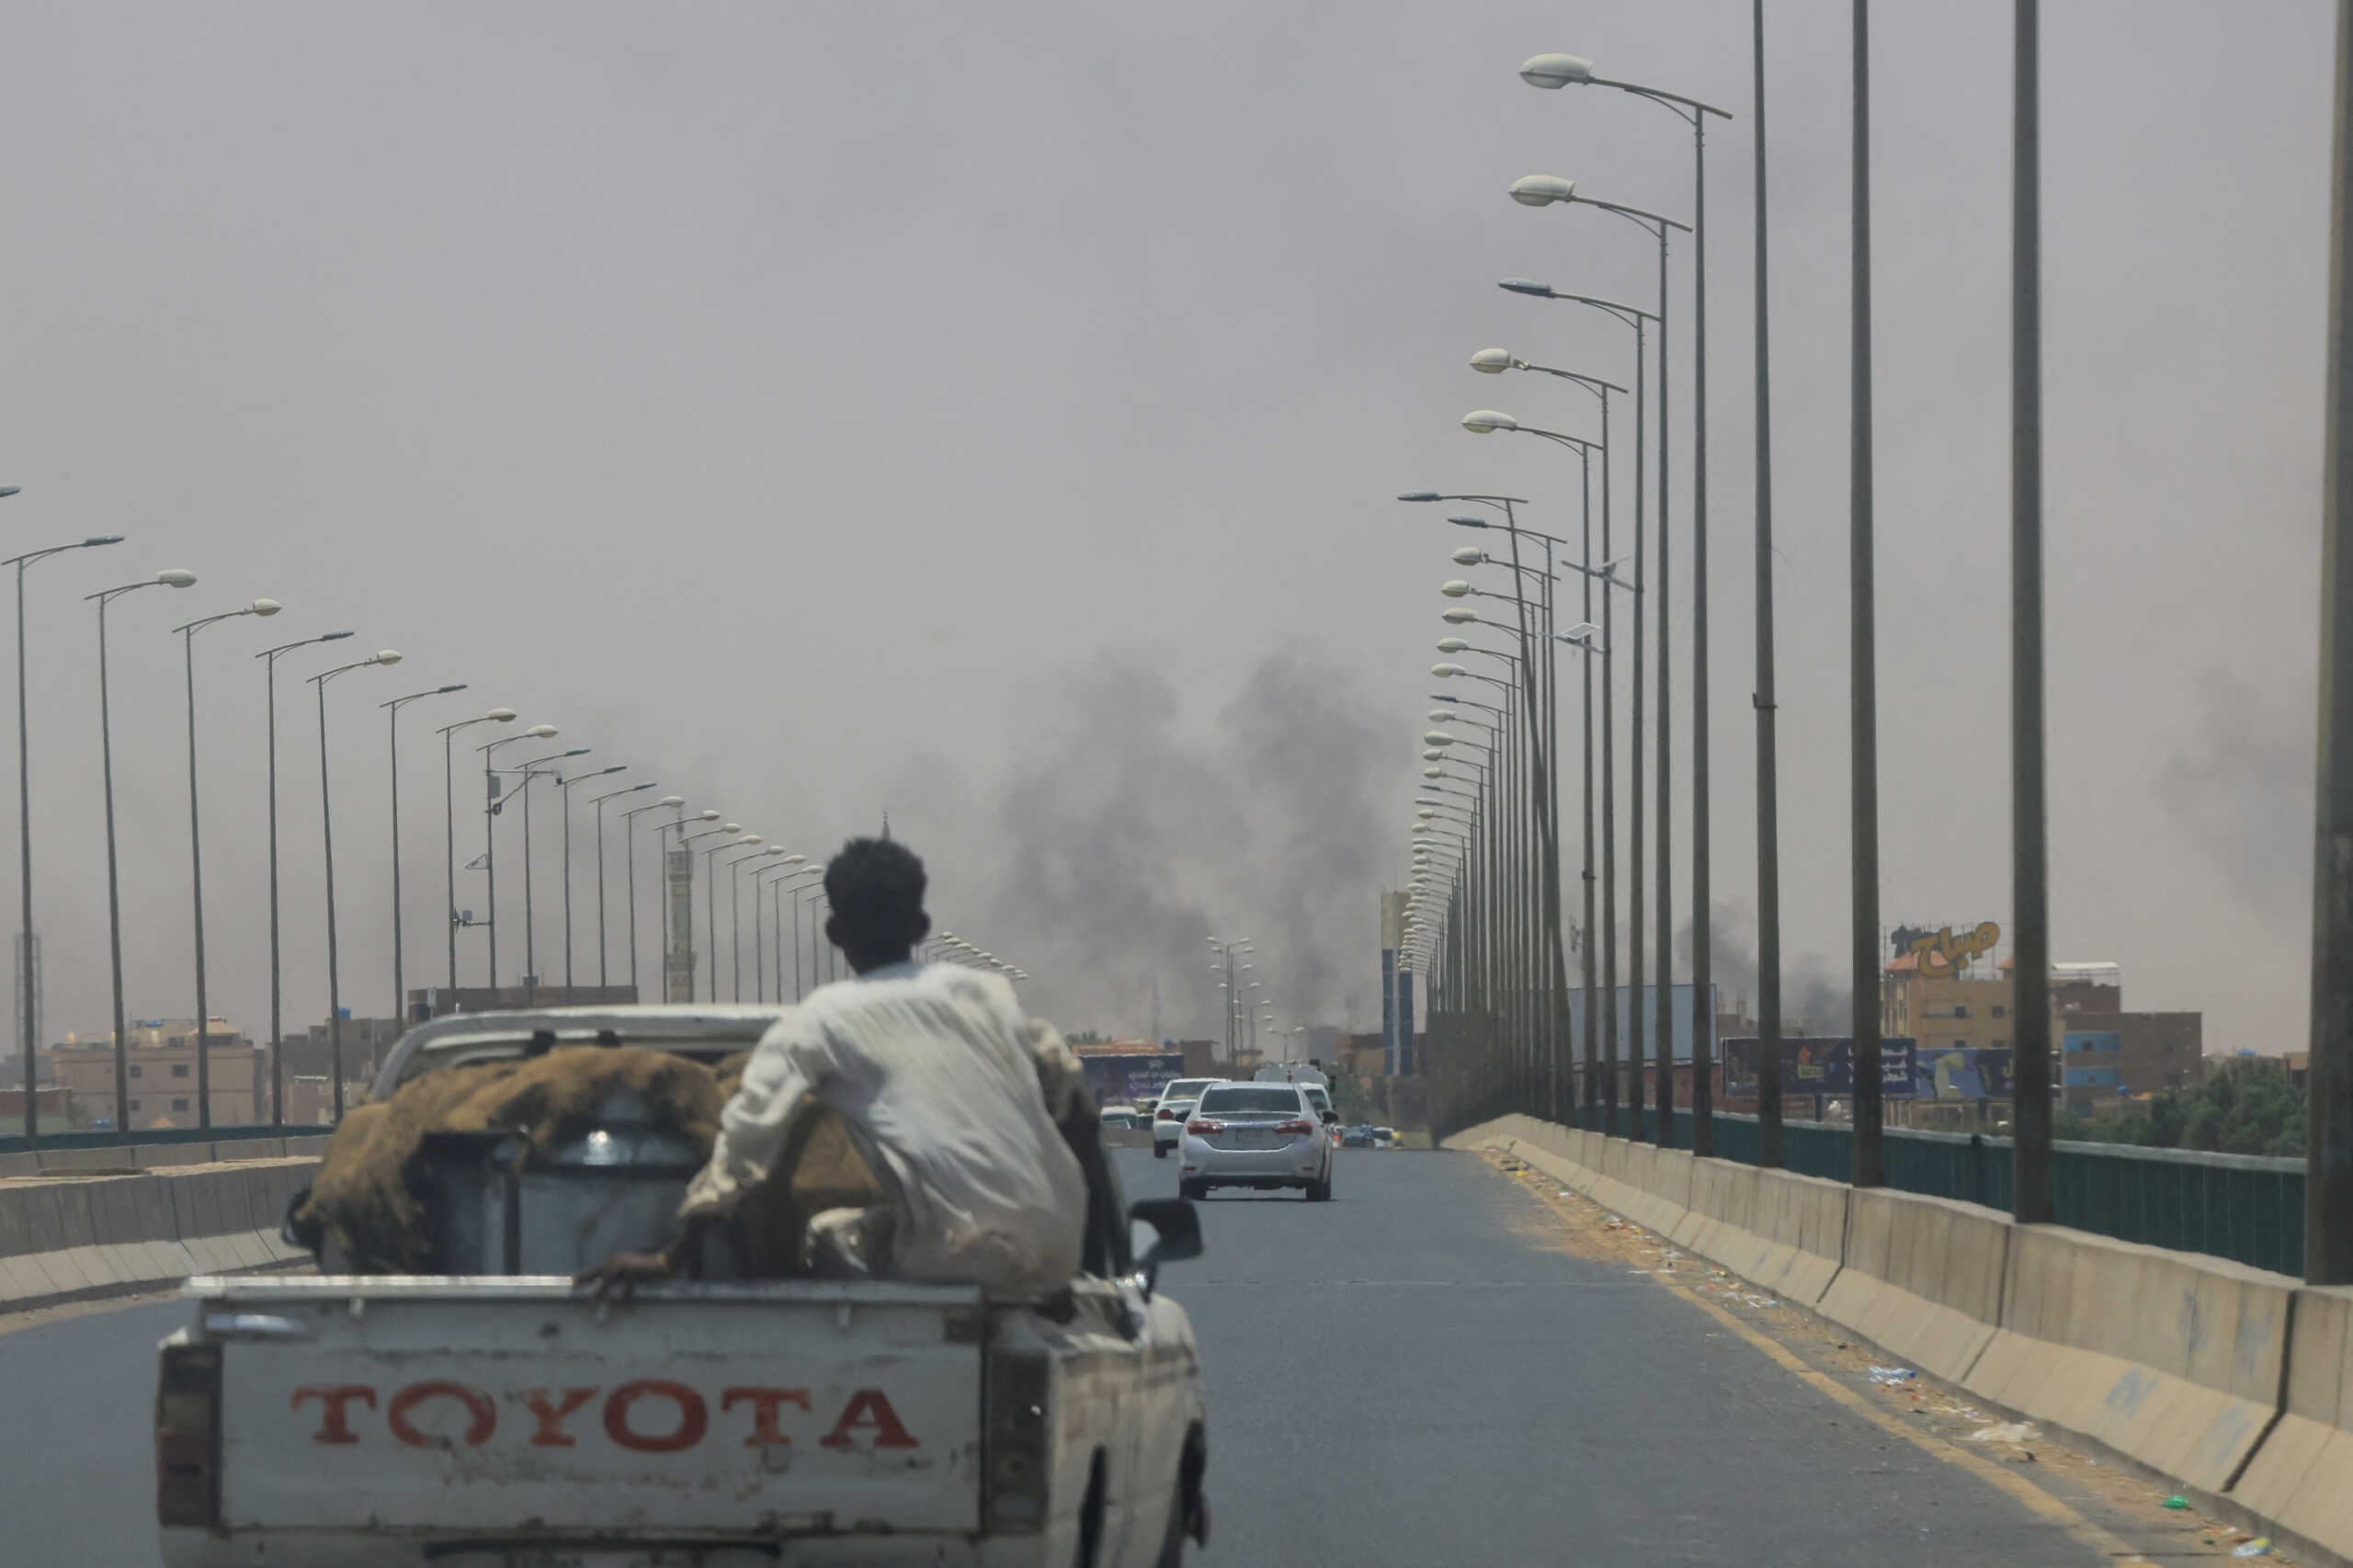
1159	1149
1196	1190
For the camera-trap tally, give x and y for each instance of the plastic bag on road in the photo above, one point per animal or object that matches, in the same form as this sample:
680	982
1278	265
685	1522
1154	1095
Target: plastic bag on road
2259	1546
1889	1377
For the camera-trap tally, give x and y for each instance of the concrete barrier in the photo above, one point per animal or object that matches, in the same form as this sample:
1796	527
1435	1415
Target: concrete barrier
1922	1277
2171	1360
65	1238
2228	1380
2298	1477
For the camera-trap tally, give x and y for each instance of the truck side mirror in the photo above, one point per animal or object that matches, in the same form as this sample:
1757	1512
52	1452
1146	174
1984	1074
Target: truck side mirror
1176	1234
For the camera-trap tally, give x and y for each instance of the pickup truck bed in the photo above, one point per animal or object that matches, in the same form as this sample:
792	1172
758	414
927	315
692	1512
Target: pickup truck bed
511	1422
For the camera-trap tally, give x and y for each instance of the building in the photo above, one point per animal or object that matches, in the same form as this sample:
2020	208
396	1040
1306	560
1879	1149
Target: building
1397	987
161	1078
1365	1054
2108	1056
1953	1010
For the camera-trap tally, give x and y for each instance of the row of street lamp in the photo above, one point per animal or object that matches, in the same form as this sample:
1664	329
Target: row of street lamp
788	872
1483	916
1488	935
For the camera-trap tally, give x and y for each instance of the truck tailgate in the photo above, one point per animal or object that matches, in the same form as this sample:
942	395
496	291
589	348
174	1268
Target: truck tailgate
518	1406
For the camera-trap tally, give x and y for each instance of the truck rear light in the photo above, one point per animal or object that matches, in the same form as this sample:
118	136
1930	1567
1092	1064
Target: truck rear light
1296	1127
188	1436
1198	1128
1166	1115
1013	1490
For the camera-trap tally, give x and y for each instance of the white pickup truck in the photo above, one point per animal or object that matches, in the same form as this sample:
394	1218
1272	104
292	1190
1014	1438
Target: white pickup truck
509	1420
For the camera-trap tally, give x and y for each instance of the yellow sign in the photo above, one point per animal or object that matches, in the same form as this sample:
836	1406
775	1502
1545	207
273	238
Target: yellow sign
1942	955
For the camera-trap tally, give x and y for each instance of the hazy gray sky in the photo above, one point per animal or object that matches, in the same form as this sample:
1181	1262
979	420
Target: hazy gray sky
989	414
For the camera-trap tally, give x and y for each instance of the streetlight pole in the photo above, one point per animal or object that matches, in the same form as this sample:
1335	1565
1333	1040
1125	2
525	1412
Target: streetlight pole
1768	804
2328	1157
173	578
26	968
2029	855
1554	70
787	868
711	898
685	838
269	657
528	772
491	803
392	762
450	821
563	788
326	829
734	913
604	946
196	864
1870	1157
629	848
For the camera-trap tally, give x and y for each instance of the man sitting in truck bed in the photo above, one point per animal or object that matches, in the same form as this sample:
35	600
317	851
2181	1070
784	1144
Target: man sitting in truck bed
944	1087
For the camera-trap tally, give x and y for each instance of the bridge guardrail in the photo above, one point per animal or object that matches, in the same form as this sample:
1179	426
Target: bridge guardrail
2246	1208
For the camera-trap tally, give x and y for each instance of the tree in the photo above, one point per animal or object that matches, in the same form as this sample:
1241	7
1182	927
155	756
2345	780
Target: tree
2246	1107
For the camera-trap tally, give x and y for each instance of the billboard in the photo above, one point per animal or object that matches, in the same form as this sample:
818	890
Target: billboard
1963	1073
1128	1077
1818	1065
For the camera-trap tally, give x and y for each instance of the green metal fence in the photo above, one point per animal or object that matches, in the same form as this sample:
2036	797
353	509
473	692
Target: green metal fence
106	1138
2243	1207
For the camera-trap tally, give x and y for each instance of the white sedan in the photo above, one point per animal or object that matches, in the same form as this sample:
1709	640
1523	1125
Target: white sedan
1257	1135
1169	1116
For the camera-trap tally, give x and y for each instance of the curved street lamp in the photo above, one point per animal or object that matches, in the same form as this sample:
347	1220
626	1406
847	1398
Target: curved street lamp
628	848
490	805
187	633
393	711
1553	72
172	577
449	821
604	946
326	830
27	993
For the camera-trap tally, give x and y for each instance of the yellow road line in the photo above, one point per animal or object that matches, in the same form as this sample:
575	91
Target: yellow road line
2034	1499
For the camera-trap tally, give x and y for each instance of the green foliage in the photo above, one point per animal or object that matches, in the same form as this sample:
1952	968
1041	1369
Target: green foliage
2246	1107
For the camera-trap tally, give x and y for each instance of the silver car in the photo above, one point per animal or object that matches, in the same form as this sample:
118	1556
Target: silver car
1261	1135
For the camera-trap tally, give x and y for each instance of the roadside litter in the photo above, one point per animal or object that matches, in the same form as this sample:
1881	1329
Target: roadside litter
1889	1377
2006	1432
2177	1502
2259	1546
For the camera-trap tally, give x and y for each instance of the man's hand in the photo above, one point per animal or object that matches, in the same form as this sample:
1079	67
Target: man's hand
625	1270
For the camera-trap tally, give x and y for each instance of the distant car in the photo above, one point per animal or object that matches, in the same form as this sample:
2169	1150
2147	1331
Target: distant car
1125	1117
1255	1135
1168	1116
1321	1098
1384	1138
1357	1138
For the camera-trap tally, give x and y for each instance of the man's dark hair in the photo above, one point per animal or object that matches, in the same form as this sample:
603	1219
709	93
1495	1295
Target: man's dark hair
876	887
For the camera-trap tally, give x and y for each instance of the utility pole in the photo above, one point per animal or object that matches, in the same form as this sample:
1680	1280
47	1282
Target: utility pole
2328	1158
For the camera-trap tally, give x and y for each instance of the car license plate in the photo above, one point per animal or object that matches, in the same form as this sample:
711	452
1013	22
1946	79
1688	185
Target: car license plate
1254	1138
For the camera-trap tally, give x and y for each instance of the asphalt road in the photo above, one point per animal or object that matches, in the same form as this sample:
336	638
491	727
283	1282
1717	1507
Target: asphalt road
1400	1377
1397	1376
